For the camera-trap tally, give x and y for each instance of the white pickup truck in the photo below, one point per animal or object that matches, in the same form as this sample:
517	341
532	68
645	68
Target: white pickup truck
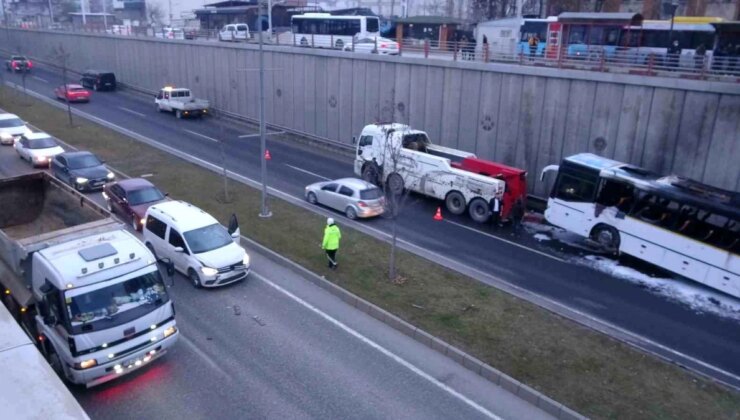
404	158
181	102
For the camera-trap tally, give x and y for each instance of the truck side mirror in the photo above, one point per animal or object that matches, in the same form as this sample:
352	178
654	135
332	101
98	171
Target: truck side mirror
354	139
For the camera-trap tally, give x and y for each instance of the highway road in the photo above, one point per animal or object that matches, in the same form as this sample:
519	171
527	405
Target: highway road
277	346
704	341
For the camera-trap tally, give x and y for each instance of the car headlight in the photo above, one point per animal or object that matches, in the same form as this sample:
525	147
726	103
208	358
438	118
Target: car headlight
27	132
110	175
80	180
208	271
5	136
86	364
245	260
40	158
169	331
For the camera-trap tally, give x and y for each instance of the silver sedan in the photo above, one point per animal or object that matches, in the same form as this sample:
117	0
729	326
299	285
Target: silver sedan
355	197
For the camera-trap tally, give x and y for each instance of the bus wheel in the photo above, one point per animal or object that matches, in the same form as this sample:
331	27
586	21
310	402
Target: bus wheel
478	210
607	237
455	203
56	363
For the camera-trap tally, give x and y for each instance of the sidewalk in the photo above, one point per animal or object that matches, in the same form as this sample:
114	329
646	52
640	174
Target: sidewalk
494	391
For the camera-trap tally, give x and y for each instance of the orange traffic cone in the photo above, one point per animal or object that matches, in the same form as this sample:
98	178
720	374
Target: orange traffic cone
267	155
438	214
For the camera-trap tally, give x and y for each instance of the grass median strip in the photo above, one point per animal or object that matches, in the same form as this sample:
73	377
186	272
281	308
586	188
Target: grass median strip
589	372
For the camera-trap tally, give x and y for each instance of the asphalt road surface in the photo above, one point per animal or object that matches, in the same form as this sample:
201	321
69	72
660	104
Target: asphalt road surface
276	346
673	329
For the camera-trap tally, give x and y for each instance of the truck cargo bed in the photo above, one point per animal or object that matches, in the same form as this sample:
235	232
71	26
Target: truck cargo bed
39	211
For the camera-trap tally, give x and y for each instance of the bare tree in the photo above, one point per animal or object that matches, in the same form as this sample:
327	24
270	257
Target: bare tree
61	57
154	12
218	113
434	7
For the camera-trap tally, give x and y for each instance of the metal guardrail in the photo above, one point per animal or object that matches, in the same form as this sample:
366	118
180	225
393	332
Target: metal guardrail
624	60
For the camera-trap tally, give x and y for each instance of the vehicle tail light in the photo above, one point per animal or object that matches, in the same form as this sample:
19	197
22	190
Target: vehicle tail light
383	45
361	204
29	64
15	65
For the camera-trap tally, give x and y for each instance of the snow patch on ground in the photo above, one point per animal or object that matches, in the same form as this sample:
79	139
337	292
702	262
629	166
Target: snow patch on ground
542	237
698	298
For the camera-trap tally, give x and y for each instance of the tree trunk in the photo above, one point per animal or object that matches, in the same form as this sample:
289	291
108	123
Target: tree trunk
66	95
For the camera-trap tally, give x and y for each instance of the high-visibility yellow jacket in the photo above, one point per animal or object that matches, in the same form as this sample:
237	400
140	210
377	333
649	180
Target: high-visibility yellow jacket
332	235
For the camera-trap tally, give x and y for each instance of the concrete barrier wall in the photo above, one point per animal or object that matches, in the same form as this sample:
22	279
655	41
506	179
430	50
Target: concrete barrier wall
527	117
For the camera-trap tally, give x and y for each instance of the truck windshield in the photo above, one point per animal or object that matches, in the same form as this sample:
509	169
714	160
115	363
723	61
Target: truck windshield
207	238
97	308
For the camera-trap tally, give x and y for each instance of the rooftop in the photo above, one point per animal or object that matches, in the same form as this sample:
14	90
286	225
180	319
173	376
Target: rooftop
185	215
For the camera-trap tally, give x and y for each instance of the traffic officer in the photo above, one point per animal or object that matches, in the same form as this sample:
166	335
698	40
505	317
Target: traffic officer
332	235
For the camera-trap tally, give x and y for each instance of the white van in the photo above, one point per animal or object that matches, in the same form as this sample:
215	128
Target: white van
234	32
198	245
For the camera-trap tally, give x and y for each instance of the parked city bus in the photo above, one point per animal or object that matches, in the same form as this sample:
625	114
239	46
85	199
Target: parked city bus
654	37
675	223
511	35
327	31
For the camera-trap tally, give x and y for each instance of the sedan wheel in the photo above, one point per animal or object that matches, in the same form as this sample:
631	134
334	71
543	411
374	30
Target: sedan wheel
311	198
350	213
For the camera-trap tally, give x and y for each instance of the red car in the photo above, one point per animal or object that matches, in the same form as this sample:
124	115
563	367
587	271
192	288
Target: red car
73	93
130	198
18	63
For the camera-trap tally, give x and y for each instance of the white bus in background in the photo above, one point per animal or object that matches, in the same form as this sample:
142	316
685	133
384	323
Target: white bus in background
327	31
654	37
29	388
675	223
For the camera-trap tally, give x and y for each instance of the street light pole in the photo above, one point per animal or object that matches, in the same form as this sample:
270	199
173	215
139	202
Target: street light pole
674	6
264	210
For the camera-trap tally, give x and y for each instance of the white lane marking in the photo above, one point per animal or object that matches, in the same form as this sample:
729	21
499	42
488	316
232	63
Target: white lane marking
271	133
131	111
146	175
307	172
544	254
203	136
625	336
380	348
208	359
40	79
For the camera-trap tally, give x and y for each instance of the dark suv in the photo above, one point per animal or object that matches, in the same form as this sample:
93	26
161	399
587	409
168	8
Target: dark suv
98	80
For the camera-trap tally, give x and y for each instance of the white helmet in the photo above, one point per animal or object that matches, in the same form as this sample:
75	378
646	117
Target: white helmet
330	221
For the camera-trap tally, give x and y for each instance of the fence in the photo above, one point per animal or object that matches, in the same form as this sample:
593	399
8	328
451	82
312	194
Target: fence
621	60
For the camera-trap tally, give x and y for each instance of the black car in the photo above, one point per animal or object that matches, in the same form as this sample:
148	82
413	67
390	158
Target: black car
81	170
98	80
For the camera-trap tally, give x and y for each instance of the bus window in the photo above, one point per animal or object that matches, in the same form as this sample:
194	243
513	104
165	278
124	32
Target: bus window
616	194
577	35
572	188
372	24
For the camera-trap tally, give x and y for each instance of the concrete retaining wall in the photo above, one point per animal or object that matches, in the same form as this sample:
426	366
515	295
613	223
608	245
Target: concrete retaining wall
527	117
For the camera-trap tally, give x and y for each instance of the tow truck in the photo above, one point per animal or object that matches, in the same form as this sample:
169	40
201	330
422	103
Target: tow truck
399	157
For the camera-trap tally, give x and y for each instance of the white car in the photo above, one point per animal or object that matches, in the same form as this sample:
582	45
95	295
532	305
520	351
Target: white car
234	32
170	33
12	128
198	245
374	45
37	148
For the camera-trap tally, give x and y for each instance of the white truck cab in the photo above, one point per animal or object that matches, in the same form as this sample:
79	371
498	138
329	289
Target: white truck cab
199	246
104	305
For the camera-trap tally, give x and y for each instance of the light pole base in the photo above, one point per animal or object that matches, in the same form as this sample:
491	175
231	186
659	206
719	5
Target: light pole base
266	215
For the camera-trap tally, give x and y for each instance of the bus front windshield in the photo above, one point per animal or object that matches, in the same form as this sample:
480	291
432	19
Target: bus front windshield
97	308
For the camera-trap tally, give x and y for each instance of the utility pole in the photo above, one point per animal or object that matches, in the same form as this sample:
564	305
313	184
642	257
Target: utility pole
82	9
170	5
105	14
264	210
51	13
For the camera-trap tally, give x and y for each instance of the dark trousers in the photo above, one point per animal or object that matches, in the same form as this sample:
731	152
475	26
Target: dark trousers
331	255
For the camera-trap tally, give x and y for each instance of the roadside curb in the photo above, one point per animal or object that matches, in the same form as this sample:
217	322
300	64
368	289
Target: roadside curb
469	362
